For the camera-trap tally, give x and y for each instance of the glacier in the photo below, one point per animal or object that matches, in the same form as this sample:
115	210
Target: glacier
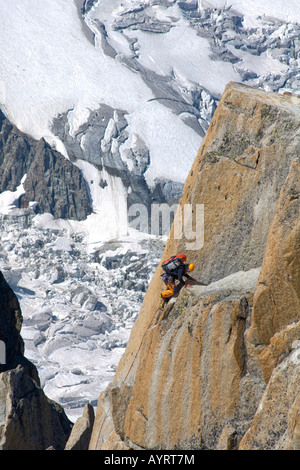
125	91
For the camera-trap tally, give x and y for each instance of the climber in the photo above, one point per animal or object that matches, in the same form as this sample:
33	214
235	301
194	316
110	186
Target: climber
175	269
183	270
169	291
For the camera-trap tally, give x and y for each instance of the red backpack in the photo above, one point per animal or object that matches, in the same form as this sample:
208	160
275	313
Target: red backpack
172	263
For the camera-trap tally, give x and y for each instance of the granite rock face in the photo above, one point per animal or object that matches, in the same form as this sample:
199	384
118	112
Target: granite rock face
275	327
238	174
218	369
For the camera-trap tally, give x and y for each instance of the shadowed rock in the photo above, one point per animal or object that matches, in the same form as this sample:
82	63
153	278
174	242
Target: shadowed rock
29	420
52	182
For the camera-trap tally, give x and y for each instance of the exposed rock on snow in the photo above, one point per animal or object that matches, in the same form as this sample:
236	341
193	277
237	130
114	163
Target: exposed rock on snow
99	142
51	181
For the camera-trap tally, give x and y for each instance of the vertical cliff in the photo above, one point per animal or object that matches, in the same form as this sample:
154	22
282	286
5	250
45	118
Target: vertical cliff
219	368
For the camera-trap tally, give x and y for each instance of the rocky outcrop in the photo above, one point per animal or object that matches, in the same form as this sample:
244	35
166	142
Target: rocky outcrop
81	433
52	182
218	369
29	420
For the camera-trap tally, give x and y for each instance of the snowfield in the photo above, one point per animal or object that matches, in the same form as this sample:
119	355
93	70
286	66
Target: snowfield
287	11
55	68
161	66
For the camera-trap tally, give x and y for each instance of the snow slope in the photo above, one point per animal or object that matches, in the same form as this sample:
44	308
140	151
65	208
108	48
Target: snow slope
55	68
285	10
